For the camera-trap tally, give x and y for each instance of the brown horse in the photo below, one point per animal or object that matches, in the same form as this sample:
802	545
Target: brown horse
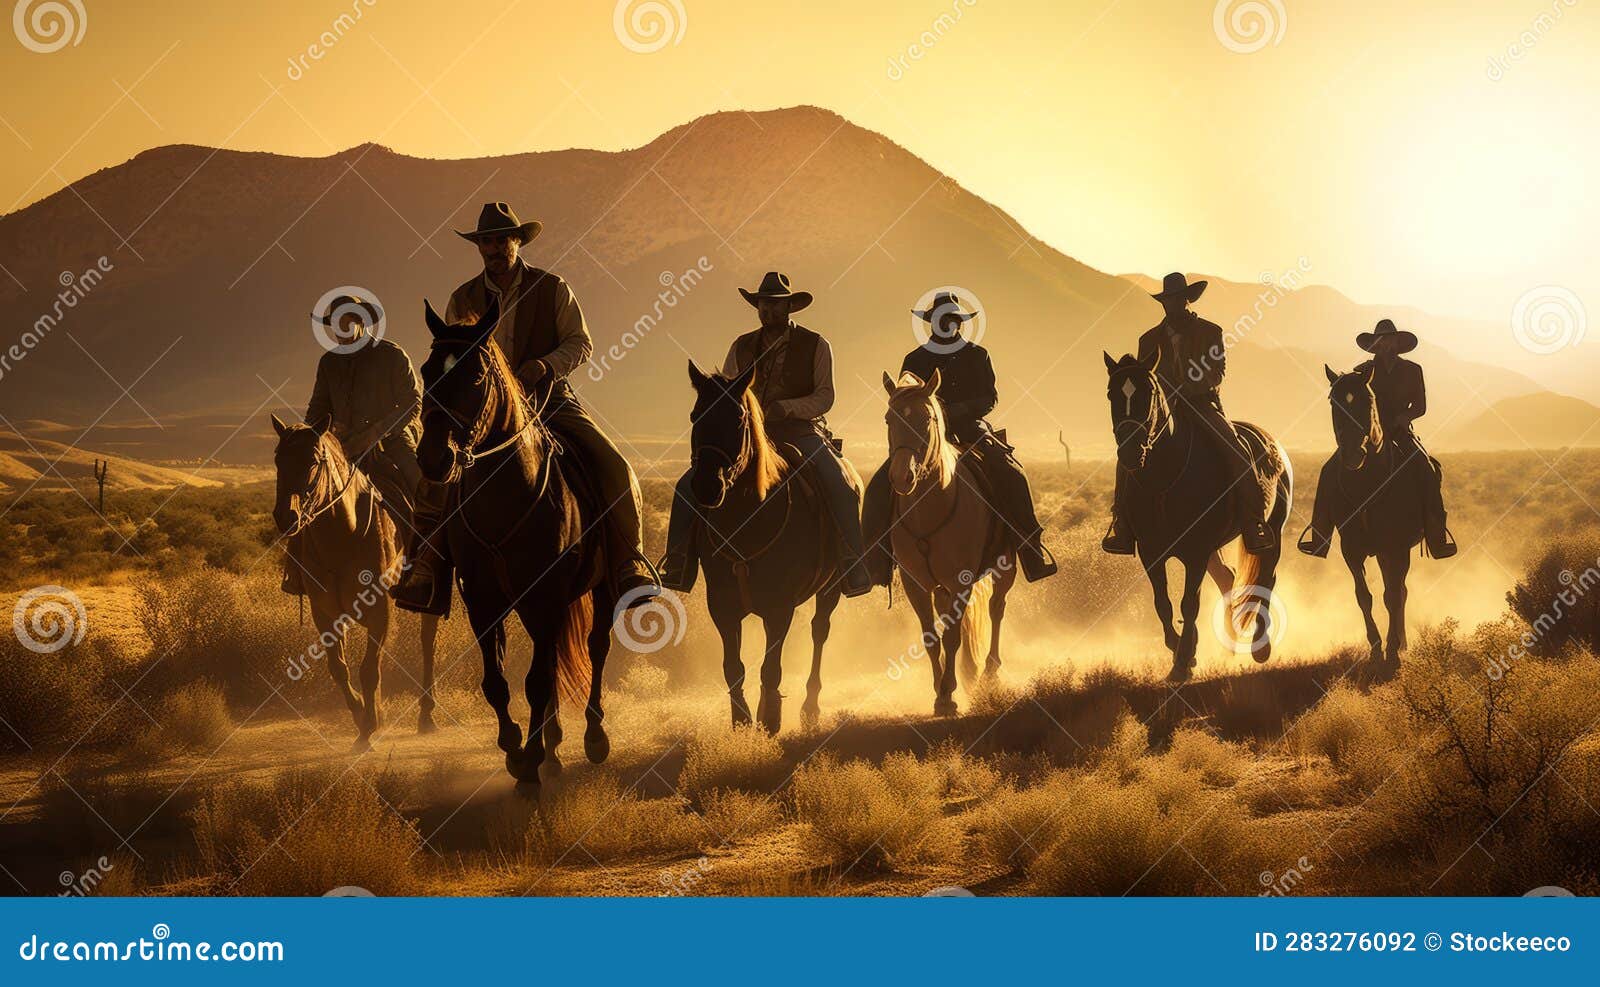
1377	507
766	543
524	537
1178	505
955	554
351	554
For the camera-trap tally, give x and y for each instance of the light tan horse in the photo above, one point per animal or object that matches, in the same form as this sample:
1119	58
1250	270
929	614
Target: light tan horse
351	556
956	556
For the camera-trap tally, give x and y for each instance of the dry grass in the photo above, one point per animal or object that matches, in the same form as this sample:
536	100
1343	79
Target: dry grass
594	819
194	717
731	815
743	758
877	817
306	834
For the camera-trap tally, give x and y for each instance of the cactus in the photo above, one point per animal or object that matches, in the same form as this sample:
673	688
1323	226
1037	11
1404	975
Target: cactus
1061	437
100	468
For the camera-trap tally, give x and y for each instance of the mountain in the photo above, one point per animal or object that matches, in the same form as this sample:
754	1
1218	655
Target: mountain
40	464
186	275
1548	421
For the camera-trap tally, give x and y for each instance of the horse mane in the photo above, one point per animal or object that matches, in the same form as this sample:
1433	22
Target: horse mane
503	403
766	467
941	451
1374	440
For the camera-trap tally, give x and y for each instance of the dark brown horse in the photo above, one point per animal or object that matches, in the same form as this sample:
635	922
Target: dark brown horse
351	555
1376	506
524	539
1178	505
765	541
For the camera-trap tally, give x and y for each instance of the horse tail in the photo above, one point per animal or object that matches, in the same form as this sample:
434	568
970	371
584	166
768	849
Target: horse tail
975	624
573	669
1250	565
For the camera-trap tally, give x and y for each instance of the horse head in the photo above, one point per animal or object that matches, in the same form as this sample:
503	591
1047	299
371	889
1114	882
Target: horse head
300	457
1140	415
917	444
727	437
466	386
1356	428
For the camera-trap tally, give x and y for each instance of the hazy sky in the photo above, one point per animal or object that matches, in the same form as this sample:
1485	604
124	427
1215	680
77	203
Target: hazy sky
1404	149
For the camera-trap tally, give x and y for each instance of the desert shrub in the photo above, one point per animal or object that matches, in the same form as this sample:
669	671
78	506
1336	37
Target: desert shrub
1217	762
194	717
595	819
865	816
306	833
1558	596
732	815
49	699
1337	725
745	758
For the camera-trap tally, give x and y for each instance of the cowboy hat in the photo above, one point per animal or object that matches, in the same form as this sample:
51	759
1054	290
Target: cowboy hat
945	304
497	219
1384	329
1176	285
342	305
776	285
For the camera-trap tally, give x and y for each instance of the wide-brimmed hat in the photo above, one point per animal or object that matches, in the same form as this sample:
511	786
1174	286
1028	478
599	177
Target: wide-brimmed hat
776	285
945	304
497	219
1175	285
1384	330
342	305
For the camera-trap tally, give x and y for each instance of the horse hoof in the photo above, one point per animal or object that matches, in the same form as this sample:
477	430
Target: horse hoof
810	715
1181	672
510	741
425	724
770	711
1263	654
944	707
550	770
528	790
596	745
362	745
741	712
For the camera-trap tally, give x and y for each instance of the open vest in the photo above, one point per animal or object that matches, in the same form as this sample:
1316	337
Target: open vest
533	333
783	372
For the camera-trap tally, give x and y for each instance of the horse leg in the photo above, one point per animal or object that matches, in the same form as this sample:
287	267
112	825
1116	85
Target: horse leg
540	688
551	728
769	711
492	642
1394	567
1357	563
333	631
430	640
1183	661
730	625
371	672
1157	572
596	745
949	622
1222	575
821	623
997	613
922	605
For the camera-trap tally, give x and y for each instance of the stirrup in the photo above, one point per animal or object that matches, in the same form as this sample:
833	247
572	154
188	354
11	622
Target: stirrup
1446	549
1314	543
1117	542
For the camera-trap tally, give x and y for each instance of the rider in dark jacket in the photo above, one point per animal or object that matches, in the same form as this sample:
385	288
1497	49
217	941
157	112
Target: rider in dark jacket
1402	397
967	393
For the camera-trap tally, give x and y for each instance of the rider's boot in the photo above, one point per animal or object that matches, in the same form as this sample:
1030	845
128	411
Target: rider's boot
421	589
680	565
293	581
1118	538
1435	530
1037	562
876	514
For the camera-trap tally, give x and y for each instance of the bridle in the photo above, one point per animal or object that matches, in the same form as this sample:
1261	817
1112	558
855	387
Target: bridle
1372	439
729	475
925	460
319	467
466	455
1157	420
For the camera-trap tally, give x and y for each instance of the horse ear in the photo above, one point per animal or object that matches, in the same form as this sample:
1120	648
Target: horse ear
1110	363
697	377
1333	378
888	383
484	329
278	426
742	383
436	325
932	386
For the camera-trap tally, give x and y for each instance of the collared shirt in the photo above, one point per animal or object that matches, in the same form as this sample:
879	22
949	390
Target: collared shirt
808	406
572	332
